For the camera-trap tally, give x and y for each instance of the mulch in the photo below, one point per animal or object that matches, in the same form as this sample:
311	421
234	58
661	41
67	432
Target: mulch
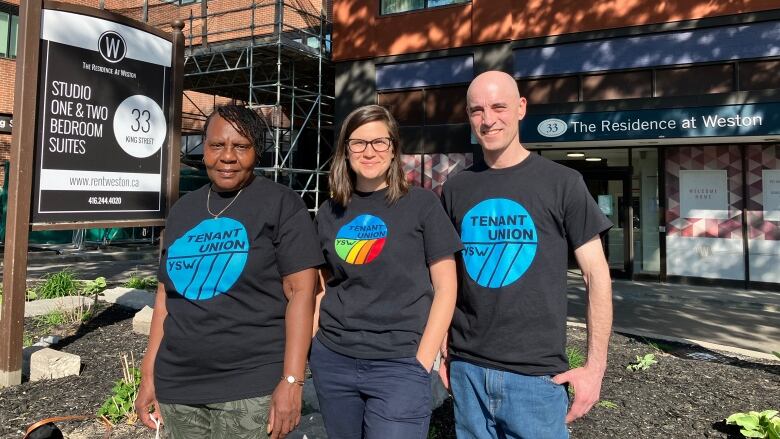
688	393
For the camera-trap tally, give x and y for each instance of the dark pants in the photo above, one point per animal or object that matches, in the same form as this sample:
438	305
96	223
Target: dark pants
371	399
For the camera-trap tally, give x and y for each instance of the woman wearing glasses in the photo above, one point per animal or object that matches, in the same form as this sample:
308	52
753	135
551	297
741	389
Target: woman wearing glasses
389	287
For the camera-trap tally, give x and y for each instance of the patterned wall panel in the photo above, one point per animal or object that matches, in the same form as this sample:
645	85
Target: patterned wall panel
704	158
413	168
432	170
438	167
759	158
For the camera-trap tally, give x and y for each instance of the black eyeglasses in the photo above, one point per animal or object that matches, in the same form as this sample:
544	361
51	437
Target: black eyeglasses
380	144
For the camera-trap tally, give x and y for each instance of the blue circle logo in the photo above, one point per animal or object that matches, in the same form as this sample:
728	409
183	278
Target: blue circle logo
207	260
499	239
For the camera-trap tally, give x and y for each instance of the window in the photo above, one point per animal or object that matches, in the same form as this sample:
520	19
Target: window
9	28
394	6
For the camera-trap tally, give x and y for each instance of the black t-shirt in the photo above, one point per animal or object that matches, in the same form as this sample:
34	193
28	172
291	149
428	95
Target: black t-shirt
379	295
224	333
516	224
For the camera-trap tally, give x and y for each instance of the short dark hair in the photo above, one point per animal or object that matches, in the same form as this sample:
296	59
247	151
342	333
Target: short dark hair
342	177
245	120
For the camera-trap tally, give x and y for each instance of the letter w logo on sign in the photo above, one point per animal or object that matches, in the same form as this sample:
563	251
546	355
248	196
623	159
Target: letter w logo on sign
112	46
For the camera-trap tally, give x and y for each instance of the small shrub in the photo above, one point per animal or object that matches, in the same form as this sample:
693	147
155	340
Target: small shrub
642	363
95	286
607	404
59	284
764	424
141	283
575	357
119	406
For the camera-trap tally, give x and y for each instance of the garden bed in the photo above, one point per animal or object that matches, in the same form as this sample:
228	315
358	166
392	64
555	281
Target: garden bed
679	397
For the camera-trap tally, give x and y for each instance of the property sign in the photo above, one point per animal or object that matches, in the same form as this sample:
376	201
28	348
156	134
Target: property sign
720	121
770	179
704	194
103	95
6	123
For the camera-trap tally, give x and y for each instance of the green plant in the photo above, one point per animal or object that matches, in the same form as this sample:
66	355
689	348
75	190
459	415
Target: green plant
95	286
764	424
777	354
59	284
27	340
607	404
30	294
141	283
642	363
52	318
575	357
119	406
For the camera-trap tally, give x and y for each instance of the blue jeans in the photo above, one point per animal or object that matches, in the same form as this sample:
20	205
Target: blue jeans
371	399
492	403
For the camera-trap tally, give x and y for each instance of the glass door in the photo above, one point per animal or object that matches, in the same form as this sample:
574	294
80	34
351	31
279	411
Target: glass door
611	188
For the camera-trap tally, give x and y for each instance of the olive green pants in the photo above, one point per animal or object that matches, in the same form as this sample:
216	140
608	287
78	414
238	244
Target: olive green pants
242	419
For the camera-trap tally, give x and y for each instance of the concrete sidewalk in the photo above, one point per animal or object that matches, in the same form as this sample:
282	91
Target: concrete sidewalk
741	321
115	263
736	320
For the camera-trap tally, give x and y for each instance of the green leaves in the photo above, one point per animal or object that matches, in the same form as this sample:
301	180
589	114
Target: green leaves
95	286
119	405
642	363
763	424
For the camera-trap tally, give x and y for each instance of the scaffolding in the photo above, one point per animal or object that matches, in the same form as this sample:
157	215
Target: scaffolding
272	56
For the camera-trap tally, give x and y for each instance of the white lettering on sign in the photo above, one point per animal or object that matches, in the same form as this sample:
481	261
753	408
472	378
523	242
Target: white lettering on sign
731	121
638	125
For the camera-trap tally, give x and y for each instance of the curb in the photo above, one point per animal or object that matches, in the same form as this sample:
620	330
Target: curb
690	341
92	257
688	300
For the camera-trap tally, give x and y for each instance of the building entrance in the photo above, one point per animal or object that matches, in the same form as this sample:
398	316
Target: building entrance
611	188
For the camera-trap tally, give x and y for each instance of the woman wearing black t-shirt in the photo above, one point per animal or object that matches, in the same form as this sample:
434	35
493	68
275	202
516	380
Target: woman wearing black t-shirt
232	318
389	287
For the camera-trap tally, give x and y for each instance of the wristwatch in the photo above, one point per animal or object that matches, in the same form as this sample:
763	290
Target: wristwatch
292	380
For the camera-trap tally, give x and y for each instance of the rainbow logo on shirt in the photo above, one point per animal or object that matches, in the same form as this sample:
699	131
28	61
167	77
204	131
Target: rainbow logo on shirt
361	240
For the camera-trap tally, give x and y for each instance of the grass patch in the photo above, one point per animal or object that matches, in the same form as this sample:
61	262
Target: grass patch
607	404
575	357
141	283
60	284
51	319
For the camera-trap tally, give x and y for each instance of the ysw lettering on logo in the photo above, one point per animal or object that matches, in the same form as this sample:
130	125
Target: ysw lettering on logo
500	242
207	260
361	240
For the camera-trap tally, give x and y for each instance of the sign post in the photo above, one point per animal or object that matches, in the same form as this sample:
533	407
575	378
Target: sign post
96	136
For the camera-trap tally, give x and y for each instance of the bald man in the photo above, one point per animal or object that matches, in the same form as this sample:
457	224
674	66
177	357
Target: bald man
517	213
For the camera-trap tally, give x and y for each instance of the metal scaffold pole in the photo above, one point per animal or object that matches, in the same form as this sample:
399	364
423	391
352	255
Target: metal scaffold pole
272	56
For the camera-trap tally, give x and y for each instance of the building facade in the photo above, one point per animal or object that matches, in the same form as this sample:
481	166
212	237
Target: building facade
669	110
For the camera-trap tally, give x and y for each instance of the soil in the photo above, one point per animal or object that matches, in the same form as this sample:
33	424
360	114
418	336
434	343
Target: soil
687	394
